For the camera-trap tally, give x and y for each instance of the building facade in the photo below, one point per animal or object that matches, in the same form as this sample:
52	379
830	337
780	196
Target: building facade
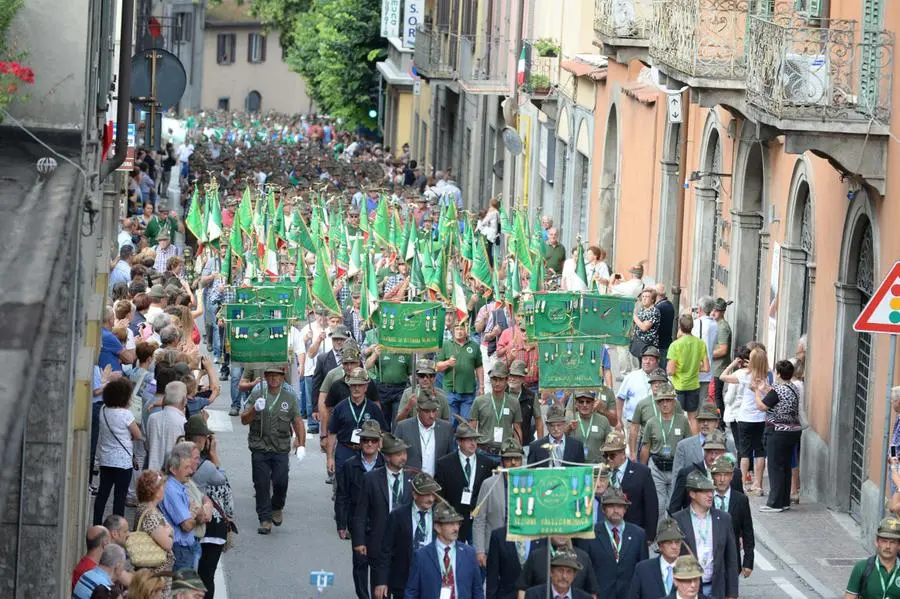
244	66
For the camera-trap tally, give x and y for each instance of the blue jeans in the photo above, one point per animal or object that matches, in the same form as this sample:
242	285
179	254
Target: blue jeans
237	397
186	556
303	399
311	425
439	380
461	403
216	341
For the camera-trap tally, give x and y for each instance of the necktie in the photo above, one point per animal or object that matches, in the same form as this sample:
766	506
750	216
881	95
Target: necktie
522	551
668	579
468	472
720	501
395	490
419	537
448	580
616	540
615	479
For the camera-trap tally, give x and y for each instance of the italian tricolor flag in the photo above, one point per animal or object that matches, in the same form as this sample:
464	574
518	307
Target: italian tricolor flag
520	69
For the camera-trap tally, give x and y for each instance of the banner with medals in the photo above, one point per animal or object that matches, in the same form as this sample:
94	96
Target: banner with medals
408	327
259	342
550	501
570	363
256	311
553	314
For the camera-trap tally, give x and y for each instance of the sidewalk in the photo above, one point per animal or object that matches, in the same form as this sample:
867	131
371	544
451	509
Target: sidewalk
821	546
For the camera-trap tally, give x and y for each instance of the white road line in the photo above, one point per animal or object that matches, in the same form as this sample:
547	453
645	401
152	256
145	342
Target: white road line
789	589
219	421
219	581
762	563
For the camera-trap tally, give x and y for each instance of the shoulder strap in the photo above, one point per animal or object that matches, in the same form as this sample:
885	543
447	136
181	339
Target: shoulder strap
864	579
115	436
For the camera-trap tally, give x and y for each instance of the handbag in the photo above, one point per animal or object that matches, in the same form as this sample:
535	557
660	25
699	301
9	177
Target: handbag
143	551
637	345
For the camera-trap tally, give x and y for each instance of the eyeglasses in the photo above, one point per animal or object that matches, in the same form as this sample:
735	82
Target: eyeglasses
426	376
363	441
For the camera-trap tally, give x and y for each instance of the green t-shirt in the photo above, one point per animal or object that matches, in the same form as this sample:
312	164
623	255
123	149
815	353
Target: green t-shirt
439	395
646	409
393	368
688	351
155	226
723	337
873	588
460	378
554	256
485	411
334	375
662	437
592	433
382	274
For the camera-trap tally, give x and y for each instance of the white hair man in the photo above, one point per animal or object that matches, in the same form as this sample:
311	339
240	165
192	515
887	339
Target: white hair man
165	426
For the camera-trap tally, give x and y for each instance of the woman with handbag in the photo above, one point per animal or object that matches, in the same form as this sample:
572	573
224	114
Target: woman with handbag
646	323
115	448
151	523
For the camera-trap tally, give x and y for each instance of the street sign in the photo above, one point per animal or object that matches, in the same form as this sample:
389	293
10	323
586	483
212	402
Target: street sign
128	165
321	580
674	106
882	313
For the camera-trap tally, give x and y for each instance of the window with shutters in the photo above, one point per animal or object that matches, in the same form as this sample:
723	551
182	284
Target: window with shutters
870	71
256	48
225	43
223	103
183	26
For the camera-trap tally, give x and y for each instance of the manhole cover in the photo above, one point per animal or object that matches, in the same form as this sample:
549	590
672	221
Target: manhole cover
841	562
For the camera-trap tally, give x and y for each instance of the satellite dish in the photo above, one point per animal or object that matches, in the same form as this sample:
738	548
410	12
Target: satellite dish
498	169
171	79
512	140
509	108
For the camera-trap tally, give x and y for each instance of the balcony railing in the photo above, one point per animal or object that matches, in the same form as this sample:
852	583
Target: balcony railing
830	71
166	33
483	58
623	20
437	53
543	74
701	38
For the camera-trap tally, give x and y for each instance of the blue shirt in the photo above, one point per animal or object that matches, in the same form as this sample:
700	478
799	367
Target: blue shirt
121	273
96	383
176	507
343	419
110	347
89	581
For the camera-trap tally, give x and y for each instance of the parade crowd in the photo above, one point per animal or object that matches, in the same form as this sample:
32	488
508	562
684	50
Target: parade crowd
417	447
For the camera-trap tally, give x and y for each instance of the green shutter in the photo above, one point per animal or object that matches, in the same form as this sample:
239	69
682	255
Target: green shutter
869	76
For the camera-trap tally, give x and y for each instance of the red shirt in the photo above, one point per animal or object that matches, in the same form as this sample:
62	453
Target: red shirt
85	564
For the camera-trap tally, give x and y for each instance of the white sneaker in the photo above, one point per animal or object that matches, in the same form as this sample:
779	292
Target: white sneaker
770	510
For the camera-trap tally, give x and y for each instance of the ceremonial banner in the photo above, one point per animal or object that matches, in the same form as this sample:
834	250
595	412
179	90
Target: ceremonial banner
277	293
407	327
550	501
245	295
554	314
259	342
570	362
390	18
257	311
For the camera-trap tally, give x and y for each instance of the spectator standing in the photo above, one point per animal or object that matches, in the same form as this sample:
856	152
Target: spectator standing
151	487
666	323
115	451
721	355
687	360
781	404
751	420
705	328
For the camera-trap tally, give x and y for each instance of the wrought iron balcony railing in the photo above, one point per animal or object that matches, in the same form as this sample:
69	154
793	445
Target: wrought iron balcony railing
830	71
437	53
483	58
701	38
623	20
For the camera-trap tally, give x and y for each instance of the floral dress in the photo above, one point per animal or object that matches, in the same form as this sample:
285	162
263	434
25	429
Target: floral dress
651	335
151	522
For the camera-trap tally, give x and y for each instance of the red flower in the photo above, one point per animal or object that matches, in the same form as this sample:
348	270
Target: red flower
11	88
4	67
27	75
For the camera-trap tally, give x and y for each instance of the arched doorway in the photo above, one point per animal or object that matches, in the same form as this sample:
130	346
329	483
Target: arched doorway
665	247
709	213
254	101
609	186
746	281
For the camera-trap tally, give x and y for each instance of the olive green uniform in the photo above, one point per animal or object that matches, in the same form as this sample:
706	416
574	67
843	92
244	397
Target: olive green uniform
440	396
661	437
592	433
647	409
461	378
489	413
877	577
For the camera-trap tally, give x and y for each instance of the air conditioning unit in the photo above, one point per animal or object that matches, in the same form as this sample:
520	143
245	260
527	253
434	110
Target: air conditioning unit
805	79
624	17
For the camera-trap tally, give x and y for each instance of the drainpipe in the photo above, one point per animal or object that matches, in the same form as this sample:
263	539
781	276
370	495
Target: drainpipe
124	91
679	206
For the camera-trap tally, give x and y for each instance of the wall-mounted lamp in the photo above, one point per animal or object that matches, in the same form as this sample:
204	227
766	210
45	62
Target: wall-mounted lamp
697	175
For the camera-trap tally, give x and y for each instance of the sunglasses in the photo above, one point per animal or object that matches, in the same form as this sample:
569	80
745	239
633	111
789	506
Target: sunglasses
426	376
364	441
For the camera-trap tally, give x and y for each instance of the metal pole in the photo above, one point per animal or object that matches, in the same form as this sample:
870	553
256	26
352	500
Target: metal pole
679	206
549	584
892	358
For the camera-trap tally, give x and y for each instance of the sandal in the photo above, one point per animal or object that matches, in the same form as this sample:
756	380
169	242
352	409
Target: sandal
795	499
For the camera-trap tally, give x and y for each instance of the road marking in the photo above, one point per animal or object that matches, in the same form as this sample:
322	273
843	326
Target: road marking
789	589
219	421
219	581
762	563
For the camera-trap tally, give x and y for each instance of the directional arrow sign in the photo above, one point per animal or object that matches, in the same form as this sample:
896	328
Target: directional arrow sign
882	313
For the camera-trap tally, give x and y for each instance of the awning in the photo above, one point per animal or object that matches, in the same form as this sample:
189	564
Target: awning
392	75
640	91
580	68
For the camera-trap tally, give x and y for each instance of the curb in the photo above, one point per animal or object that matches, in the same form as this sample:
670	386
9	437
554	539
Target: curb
765	539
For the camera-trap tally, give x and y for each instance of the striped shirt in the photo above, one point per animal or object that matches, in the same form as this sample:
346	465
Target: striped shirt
89	581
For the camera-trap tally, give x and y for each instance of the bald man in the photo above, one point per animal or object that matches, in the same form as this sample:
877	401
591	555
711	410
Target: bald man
666	322
96	540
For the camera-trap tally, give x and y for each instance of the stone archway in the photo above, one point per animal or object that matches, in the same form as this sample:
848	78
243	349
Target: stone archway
708	213
609	186
748	246
665	248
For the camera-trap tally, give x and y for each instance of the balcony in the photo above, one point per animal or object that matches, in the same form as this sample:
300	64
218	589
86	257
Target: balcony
484	64
826	85
541	68
436	54
701	43
622	28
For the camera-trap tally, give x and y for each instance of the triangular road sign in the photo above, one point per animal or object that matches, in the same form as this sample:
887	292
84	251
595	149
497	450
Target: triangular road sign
882	313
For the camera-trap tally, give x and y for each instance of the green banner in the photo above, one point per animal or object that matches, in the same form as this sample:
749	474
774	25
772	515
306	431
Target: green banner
570	362
555	314
245	295
550	501
407	327
282	293
259	342
257	311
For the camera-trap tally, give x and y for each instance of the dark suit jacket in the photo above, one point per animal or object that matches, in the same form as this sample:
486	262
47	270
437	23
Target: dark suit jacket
638	485
615	576
503	567
573	450
647	582
408	430
425	574
348	322
725	561
371	514
540	592
325	362
392	563
449	474
534	571
666	323
349	488
673	595
526	405
680	498
742	521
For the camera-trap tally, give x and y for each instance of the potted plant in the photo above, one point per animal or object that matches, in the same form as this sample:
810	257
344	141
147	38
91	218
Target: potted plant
547	48
539	82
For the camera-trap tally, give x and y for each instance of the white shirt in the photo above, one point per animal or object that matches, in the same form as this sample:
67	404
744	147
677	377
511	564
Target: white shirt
440	547
556	455
462	463
568	594
163	429
727	500
124	238
114	448
313	328
390	481
426	438
429	524
706	328
629	288
748	412
570	279
635	387
703	537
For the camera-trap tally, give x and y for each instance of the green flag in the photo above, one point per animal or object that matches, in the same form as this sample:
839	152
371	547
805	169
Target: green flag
519	239
213	219
467	247
235	241
369	290
321	290
278	222
225	269
580	269
245	212
438	280
481	268
300	232
416	276
356	262
381	228
194	219
513	283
